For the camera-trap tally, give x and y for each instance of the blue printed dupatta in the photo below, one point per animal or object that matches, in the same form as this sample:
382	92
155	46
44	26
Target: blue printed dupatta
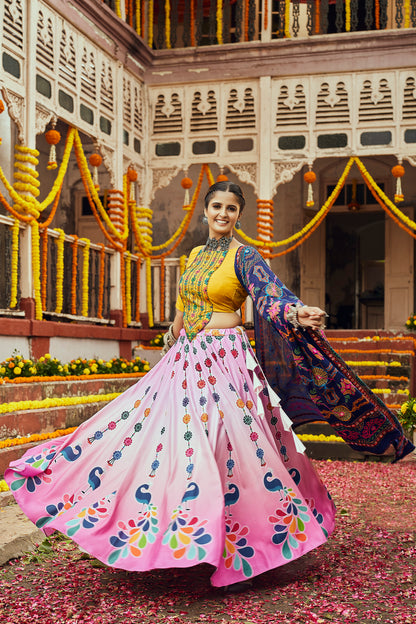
311	379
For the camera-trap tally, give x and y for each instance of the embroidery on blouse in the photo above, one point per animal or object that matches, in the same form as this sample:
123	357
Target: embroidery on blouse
193	289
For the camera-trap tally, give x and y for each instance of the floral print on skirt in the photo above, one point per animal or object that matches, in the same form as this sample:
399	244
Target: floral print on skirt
194	463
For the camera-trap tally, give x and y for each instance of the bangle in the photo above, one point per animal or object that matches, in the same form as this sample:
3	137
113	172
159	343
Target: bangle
292	315
168	340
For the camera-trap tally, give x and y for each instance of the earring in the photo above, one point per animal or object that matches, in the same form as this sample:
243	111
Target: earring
204	220
238	224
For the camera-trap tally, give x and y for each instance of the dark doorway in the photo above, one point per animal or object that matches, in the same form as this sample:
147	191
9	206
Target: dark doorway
354	281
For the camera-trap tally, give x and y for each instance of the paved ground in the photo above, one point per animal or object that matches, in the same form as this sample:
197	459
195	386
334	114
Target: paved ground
365	573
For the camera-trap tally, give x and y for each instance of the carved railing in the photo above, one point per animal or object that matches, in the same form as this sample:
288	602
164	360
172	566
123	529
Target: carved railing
185	23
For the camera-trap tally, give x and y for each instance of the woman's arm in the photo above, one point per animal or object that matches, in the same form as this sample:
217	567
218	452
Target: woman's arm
273	300
177	323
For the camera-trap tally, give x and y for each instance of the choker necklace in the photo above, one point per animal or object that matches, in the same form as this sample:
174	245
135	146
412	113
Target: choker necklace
222	243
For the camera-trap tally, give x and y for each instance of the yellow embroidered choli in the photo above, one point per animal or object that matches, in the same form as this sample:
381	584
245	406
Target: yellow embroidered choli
209	284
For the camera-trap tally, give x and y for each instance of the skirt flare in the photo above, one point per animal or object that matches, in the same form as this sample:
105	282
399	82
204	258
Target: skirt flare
194	463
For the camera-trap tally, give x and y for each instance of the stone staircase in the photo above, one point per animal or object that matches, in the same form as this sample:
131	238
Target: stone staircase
25	422
385	361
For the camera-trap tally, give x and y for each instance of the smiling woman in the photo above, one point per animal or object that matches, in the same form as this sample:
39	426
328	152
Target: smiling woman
198	463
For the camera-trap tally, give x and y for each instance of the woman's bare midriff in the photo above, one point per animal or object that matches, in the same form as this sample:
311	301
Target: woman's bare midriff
223	320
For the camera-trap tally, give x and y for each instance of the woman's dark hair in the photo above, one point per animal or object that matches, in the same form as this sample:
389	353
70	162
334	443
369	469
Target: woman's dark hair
226	186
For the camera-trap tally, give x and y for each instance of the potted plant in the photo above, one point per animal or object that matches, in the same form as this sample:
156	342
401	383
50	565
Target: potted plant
411	323
407	417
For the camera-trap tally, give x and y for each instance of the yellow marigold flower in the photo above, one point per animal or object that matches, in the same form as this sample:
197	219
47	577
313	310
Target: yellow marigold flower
17	370
2	370
100	361
135	368
124	365
414	408
60	368
87	371
109	365
41	359
146	367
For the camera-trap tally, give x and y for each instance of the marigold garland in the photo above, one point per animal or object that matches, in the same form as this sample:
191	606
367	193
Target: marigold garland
287	19
407	13
371	363
149	291
128	286
36	269
150	24
17	406
36	437
85	275
59	270
347	15
117	8
219	22
377	14
91	191
317	16
74	274
14	264
44	268
367	177
39	378
138	275
167	24
101	282
162	289
138	18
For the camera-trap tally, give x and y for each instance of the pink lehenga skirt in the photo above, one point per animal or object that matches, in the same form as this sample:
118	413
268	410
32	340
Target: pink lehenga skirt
194	463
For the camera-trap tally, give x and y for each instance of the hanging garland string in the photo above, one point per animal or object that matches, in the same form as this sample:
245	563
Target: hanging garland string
138	18
323	212
407	13
219	22
150	25
101	282
287	19
74	274
14	263
59	270
409	222
149	291
85	275
36	269
308	226
347	15
44	277
162	289
385	208
167	24
138	271
318	17
89	186
377	14
127	261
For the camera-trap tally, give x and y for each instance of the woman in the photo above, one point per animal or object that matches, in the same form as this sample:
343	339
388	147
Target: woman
197	462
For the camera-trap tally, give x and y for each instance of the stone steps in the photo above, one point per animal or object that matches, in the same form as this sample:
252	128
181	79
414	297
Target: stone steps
25	422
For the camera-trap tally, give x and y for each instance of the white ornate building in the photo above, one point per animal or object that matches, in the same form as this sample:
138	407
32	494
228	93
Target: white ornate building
261	91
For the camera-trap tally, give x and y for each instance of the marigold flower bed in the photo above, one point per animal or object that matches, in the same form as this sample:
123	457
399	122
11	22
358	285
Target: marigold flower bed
364	574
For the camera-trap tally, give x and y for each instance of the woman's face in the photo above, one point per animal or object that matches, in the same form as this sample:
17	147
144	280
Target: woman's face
222	213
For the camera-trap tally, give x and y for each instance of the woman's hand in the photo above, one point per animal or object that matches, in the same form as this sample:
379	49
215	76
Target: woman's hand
311	317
